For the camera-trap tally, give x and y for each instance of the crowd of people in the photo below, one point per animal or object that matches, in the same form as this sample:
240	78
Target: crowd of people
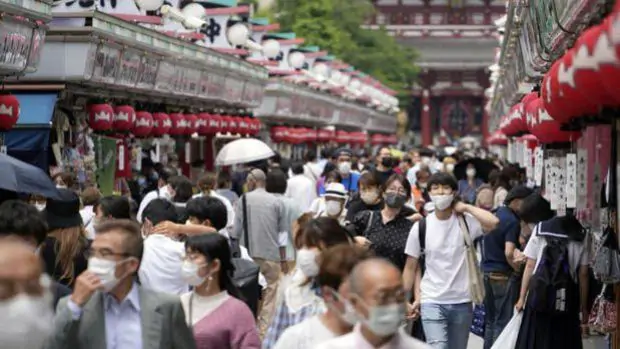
341	251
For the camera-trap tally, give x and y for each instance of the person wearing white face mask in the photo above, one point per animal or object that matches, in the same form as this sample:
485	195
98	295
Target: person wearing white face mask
213	309
344	166
378	298
340	317
108	309
335	198
467	187
164	190
300	297
443	298
26	313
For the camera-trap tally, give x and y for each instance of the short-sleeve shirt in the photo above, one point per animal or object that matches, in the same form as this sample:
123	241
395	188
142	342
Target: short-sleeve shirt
494	243
445	280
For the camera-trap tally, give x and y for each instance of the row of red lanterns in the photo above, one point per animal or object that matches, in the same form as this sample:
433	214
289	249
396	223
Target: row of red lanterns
378	139
124	119
299	135
497	138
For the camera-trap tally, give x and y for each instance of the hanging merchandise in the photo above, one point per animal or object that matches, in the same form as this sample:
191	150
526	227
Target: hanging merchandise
603	317
100	117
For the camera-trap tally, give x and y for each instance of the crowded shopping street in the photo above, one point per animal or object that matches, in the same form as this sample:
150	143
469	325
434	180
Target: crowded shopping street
309	174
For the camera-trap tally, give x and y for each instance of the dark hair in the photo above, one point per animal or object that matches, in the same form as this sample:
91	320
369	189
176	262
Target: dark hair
224	180
399	178
502	179
535	209
165	173
207	182
297	168
338	261
67	177
442	178
325	153
423	168
322	232
208	208
215	246
276	182
115	206
378	152
22	219
133	242
183	188
333	175
329	167
160	210
369	179
90	196
310	155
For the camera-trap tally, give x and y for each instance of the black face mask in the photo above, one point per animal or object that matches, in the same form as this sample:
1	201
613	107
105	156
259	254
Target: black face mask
387	162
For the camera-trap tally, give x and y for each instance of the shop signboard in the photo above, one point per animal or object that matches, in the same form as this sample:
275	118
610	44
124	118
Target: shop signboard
106	64
17	37
283	106
165	77
147	73
108	6
129	68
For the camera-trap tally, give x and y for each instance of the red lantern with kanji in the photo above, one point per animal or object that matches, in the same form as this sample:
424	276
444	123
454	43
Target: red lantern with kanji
342	136
216	123
224	124
291	136
510	128
192	124
144	124
545	128
575	104
245	126
204	128
100	117
233	125
278	134
124	118
609	72
255	123
179	124
161	124
376	139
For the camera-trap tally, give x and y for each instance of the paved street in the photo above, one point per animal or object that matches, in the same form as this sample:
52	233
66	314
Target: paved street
475	342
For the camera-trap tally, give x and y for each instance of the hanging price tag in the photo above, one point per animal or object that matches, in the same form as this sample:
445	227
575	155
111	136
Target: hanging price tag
539	163
571	180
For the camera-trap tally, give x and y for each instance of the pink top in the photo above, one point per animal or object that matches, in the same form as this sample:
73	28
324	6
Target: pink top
230	326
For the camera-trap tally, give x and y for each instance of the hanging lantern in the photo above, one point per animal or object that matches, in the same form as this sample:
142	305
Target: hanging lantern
545	128
575	104
376	139
498	138
608	55
124	118
179	124
552	101
278	134
100	117
291	136
257	125
9	111
161	124
510	128
233	125
244	125
342	136
215	123
204	124
192	124
144	124
225	124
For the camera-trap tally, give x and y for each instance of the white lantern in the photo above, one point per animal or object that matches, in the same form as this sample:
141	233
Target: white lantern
271	48
194	10
296	59
355	84
321	70
336	76
238	34
149	5
345	79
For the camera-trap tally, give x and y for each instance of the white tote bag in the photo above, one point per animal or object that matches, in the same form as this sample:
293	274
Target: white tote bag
508	338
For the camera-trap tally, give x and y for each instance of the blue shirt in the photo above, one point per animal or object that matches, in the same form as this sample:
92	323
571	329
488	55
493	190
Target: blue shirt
493	244
467	192
350	183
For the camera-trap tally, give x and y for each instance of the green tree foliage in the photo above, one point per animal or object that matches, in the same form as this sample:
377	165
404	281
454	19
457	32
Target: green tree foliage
336	26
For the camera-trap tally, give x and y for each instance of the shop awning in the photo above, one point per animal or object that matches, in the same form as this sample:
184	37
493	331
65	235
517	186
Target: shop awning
37	109
29	145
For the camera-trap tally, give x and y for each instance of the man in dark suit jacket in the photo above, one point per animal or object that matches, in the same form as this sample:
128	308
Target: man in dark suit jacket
23	221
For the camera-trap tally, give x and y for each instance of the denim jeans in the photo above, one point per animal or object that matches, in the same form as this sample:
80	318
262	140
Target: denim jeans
499	302
447	325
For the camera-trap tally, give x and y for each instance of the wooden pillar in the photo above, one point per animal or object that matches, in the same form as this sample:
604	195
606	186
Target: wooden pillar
425	122
209	153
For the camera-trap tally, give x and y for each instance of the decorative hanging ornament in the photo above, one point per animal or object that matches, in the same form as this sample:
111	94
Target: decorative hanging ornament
192	124
225	124
100	117
124	118
9	111
161	124
204	124
144	124
233	125
610	71
215	123
279	134
179	124
545	128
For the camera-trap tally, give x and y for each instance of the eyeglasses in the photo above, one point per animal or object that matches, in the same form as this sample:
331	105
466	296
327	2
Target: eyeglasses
388	297
105	253
396	190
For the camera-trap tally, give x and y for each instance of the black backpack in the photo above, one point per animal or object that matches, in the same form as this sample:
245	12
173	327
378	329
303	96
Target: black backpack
551	279
245	277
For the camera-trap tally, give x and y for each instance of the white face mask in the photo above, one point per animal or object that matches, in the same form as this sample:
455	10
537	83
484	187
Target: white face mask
450	167
189	273
61	186
385	320
333	208
105	270
369	196
471	172
349	315
426	160
306	262
344	167
39	206
442	202
26	321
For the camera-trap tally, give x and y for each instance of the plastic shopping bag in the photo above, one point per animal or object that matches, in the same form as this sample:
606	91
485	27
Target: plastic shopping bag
508	338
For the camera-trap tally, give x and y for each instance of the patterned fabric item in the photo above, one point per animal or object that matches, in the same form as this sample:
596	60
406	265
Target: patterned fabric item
606	264
603	316
478	322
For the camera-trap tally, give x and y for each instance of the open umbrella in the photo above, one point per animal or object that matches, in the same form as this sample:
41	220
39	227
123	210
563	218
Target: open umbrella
242	151
483	168
18	176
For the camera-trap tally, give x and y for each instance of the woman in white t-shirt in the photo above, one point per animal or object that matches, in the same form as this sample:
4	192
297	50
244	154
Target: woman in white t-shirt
336	264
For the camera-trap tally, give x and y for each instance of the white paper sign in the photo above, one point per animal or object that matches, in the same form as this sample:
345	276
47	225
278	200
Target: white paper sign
156	153
571	180
553	173
539	163
529	168
510	153
582	178
188	152
138	158
548	179
121	157
596	198
560	171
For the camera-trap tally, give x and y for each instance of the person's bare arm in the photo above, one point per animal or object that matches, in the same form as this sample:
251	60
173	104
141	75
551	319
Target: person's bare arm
169	228
525	282
487	220
412	278
509	250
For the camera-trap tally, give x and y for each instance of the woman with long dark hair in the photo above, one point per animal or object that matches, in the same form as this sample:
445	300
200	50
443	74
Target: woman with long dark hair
213	309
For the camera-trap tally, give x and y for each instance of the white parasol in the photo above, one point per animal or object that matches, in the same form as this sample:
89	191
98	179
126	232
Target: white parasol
243	150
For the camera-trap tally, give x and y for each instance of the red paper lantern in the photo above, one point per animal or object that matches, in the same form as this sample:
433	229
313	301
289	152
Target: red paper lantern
256	126
498	138
216	123
192	124
342	137
179	124
510	128
100	117
161	124
124	118
323	135
575	103
545	128
9	111
609	72
233	125
204	125
225	124
144	124
279	134
292	136
376	139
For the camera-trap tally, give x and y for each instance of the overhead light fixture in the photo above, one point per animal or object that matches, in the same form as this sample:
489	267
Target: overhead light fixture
174	14
296	59
149	5
271	48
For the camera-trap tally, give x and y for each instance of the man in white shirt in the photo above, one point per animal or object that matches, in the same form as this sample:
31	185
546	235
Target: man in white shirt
300	188
164	191
312	169
443	298
160	269
378	297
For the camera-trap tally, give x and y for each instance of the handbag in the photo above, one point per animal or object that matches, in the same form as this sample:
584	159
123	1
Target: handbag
606	264
478	322
603	315
509	336
476	285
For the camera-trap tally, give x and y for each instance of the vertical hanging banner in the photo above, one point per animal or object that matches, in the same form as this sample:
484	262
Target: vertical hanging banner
582	178
539	164
560	185
595	209
571	180
105	154
548	179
